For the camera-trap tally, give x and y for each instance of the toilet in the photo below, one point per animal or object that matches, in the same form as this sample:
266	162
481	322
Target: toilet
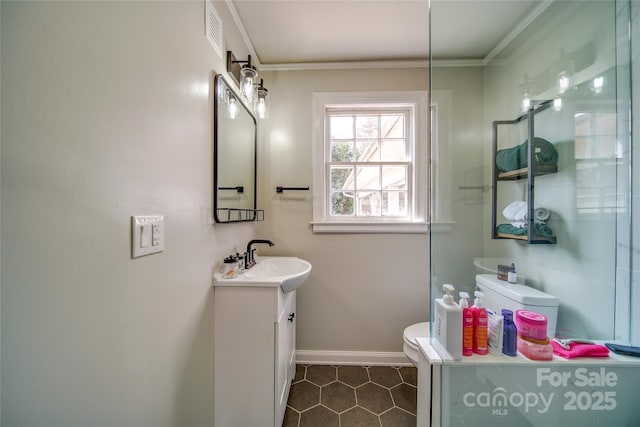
410	347
499	294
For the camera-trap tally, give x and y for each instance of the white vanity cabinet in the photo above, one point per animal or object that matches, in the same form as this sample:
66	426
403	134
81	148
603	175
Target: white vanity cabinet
254	355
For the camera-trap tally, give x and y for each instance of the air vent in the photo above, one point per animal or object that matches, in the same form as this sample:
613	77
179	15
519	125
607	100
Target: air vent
213	28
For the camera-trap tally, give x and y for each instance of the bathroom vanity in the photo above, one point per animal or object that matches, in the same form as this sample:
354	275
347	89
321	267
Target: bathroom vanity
254	353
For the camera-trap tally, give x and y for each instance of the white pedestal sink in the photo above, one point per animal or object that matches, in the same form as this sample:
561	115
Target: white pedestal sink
287	272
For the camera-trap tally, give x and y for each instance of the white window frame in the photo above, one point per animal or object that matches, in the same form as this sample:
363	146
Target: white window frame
418	149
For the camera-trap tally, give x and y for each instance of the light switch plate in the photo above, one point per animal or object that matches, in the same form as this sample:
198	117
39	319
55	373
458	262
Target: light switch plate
147	235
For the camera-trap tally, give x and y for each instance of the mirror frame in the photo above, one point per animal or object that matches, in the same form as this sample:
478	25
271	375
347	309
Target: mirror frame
241	214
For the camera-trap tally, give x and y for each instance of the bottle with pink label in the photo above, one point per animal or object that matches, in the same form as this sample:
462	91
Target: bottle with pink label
480	325
533	341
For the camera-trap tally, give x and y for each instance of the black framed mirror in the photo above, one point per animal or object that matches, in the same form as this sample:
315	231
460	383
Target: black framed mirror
235	158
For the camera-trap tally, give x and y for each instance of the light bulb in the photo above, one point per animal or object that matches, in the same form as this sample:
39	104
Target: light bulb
564	82
526	103
232	108
557	104
598	84
247	83
261	108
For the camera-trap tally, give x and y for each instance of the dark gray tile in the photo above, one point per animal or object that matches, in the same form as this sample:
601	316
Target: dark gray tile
303	395
317	398
358	417
353	375
405	396
319	416
397	418
373	397
409	375
386	376
291	418
300	372
321	374
338	397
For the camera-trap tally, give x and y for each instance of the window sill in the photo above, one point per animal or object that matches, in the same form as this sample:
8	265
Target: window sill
370	227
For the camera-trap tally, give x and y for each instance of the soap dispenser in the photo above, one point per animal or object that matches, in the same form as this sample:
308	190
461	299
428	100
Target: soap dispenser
480	325
448	323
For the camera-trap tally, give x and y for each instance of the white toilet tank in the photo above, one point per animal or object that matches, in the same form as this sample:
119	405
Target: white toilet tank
499	294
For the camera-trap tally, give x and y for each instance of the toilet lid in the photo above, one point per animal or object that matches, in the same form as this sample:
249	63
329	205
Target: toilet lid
418	330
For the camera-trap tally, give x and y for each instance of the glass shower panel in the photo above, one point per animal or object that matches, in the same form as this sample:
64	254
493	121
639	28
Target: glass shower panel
566	55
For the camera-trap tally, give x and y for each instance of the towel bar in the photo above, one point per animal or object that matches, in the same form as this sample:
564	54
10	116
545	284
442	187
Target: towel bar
280	188
239	188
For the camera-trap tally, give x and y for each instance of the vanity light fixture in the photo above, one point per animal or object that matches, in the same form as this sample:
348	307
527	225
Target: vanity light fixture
245	75
262	106
564	72
526	89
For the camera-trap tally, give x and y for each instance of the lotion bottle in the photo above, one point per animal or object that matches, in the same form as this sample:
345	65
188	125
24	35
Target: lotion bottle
480	325
467	325
448	323
512	276
509	342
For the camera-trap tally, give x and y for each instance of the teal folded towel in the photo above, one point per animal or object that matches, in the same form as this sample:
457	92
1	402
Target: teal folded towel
518	157
540	230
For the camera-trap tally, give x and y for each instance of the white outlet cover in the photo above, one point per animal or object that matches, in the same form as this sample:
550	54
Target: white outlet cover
147	235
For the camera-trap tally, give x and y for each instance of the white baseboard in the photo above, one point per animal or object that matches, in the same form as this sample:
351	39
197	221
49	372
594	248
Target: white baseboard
363	358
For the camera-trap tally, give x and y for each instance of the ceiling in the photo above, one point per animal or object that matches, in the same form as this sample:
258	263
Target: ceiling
329	31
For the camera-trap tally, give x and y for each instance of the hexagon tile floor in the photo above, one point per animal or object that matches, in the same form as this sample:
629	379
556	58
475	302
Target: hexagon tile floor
352	396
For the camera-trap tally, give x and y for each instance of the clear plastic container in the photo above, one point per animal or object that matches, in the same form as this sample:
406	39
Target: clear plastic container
534	351
229	268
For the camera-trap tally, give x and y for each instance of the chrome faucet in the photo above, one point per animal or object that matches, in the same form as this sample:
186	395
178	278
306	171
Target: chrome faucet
250	255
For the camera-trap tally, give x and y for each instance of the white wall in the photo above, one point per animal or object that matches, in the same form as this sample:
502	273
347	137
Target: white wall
106	113
364	289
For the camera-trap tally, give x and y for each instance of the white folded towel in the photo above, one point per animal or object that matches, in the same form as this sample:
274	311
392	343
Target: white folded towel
517	213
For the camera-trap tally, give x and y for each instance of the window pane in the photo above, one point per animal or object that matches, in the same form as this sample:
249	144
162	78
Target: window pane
369	203
342	178
605	123
392	126
341	151
394	203
394	177
368	178
367	127
367	151
342	203
392	150
341	127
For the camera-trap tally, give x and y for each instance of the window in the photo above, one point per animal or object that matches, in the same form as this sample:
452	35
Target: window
598	154
370	162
